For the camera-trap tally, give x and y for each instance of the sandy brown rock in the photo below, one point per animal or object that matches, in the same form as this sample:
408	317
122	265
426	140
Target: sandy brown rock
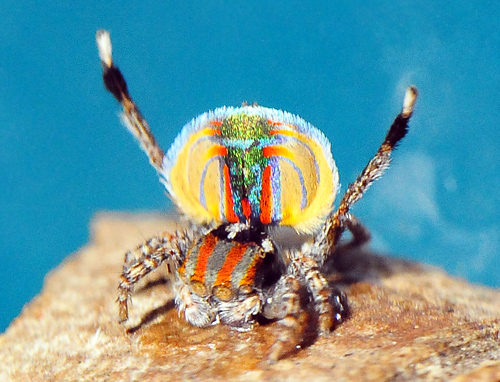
408	323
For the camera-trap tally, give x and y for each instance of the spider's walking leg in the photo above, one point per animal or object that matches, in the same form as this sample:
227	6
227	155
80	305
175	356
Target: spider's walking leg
285	306
360	234
115	83
152	254
342	219
330	306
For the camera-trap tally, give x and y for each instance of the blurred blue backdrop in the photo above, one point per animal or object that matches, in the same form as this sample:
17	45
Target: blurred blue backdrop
344	68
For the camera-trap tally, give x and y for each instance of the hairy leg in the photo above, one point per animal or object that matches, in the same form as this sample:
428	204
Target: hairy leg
115	83
284	305
145	259
328	237
239	313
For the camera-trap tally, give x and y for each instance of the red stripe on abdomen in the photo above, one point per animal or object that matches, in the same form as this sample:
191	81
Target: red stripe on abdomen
274	151
266	197
228	198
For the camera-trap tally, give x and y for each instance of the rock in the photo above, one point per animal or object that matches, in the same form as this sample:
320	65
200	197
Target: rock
408	323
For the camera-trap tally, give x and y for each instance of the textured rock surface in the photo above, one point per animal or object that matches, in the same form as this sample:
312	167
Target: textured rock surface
409	323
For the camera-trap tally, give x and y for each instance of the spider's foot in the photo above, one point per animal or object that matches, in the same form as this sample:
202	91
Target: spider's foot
290	335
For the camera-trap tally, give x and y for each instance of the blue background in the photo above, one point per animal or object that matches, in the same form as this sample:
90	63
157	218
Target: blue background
344	68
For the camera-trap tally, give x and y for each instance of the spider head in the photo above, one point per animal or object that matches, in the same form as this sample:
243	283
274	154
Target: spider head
231	260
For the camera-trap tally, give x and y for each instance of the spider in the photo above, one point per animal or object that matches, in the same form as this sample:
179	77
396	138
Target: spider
236	173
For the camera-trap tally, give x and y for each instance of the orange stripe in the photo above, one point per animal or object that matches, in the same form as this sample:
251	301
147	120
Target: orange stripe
210	131
229	203
216	123
273	151
245	206
215	150
233	257
273	123
265	197
206	250
249	277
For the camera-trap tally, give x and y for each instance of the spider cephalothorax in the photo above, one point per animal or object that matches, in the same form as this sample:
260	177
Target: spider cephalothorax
234	173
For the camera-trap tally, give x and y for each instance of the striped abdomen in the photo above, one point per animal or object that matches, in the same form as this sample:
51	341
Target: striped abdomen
252	165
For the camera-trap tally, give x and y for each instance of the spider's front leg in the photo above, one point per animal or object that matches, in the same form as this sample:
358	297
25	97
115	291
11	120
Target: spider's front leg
330	305
284	305
150	255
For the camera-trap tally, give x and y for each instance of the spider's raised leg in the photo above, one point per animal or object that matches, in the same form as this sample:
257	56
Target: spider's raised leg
328	238
115	83
154	252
